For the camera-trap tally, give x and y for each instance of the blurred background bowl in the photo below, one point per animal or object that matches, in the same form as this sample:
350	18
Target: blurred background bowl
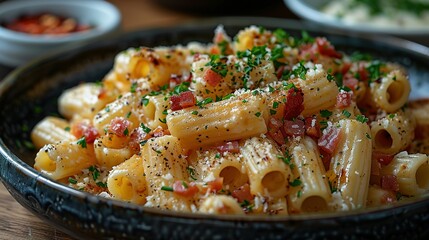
18	48
312	10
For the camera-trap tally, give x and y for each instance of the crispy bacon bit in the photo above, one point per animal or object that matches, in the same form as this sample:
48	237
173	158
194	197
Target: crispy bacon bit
294	128
137	136
84	129
185	189
344	99
159	132
294	103
215	185
390	182
280	71
242	193
102	94
350	82
212	78
326	159
231	147
175	80
329	140
312	127
362	72
388	197
345	67
309	52
119	126
325	48
383	159
184	100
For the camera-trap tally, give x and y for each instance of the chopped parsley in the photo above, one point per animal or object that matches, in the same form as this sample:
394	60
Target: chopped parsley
258	114
95	172
133	87
204	102
295	183
145	129
362	118
82	142
191	172
325	113
72	180
67	129
167	188
145	101
346	113
182	87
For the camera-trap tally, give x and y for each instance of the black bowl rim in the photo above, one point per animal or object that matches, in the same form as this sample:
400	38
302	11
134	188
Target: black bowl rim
363	214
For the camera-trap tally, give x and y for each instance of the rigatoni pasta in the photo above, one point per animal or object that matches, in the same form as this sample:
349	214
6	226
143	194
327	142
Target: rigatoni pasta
259	123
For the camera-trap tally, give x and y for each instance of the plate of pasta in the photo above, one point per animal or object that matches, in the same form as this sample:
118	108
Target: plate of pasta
229	128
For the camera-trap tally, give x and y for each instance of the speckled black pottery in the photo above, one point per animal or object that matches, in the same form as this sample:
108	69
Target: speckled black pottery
30	93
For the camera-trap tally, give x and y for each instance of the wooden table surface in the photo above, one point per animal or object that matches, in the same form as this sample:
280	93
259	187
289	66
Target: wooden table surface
17	222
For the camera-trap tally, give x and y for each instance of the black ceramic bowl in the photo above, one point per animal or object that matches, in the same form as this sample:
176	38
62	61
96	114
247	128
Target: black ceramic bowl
30	93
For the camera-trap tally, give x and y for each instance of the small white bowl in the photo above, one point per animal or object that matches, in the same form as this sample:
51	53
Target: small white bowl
311	10
17	48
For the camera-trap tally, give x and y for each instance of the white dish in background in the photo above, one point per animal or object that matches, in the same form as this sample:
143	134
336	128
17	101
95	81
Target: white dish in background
312	10
18	48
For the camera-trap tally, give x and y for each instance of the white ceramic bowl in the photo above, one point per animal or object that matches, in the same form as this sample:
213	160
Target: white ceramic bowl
18	48
311	10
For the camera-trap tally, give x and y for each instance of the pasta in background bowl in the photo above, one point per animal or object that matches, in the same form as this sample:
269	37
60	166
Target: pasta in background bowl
76	211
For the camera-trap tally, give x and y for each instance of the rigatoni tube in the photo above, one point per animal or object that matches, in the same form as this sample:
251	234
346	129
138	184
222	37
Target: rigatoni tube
127	181
217	122
411	171
268	174
351	162
311	192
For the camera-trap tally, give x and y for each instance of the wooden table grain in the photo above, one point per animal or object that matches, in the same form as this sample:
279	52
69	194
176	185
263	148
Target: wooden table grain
18	223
